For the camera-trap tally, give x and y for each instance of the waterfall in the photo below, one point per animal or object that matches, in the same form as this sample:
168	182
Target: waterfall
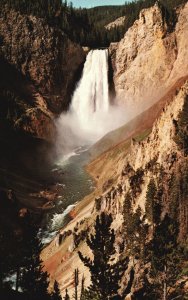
90	115
91	95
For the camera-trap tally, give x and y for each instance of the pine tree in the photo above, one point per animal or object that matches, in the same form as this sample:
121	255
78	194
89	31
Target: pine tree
127	209
135	230
5	262
165	258
34	281
67	295
76	283
82	288
181	138
56	295
153	205
105	275
11	258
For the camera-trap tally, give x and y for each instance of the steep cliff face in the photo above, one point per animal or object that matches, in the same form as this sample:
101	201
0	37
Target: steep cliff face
155	149
40	65
150	58
150	154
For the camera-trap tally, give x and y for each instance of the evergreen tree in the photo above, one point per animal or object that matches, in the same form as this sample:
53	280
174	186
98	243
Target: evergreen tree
5	256
181	138
135	229
76	283
34	281
11	258
166	260
56	295
87	26
67	295
105	275
153	205
127	210
82	288
174	189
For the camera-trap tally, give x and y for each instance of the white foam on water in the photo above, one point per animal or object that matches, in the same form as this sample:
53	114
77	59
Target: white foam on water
90	115
58	218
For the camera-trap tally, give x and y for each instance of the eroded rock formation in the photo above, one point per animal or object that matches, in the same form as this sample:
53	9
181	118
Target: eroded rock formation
39	64
144	158
151	57
150	65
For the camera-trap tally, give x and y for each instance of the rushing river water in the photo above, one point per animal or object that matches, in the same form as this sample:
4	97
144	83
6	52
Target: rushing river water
76	183
90	117
84	123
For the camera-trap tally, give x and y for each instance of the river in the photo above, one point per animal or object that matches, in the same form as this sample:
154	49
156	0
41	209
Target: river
76	183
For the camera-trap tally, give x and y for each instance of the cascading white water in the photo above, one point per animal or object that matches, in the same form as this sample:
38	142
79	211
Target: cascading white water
90	115
91	95
89	118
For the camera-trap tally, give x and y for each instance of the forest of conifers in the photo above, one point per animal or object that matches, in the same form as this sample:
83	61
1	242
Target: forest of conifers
86	26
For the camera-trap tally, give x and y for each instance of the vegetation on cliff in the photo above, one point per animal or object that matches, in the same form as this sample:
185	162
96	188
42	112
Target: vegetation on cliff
105	273
87	26
153	244
20	258
181	127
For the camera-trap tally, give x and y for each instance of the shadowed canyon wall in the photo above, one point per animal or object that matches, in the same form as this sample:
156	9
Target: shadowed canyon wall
39	65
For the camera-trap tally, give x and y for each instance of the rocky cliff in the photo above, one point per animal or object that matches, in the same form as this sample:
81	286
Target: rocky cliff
118	22
151	57
144	65
144	156
39	67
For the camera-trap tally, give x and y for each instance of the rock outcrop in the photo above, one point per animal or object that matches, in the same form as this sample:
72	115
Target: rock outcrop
150	65
145	157
150	58
40	65
118	22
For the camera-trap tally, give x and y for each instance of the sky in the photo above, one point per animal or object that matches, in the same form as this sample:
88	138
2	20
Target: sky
93	3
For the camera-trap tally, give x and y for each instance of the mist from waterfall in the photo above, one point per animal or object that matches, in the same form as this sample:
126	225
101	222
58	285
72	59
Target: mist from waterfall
90	115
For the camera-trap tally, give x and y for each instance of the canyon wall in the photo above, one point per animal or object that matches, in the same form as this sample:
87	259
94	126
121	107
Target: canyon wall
145	156
150	65
151	57
40	65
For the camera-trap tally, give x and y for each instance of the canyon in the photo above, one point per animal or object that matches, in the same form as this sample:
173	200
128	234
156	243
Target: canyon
144	77
145	64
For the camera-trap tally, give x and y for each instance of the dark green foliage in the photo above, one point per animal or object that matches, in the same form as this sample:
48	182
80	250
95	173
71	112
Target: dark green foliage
166	260
34	281
153	203
181	137
56	295
11	258
47	9
178	191
136	181
135	230
150	199
19	255
105	275
127	209
67	295
174	188
86	26
82	288
76	283
183	203
6	255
